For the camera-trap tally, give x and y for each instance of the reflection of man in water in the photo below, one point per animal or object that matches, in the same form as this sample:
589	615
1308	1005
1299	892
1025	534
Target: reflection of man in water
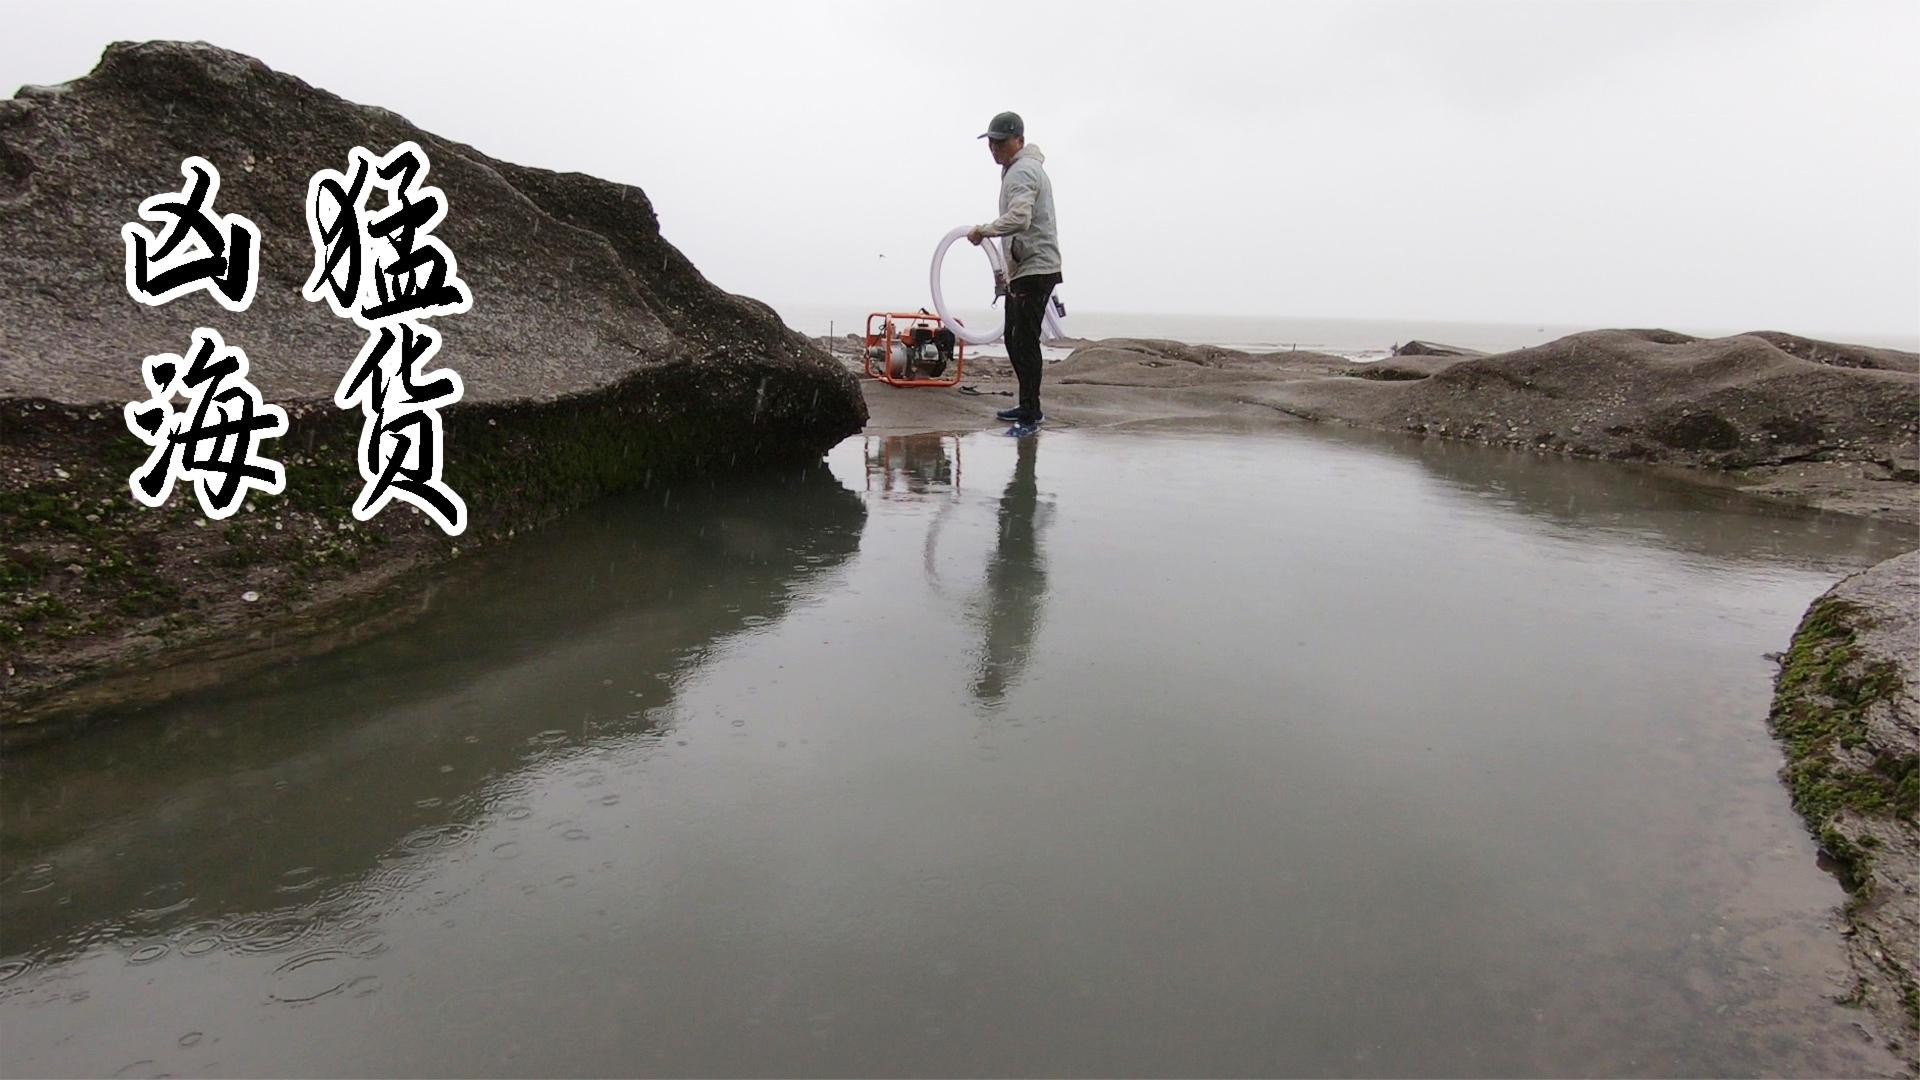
1016	583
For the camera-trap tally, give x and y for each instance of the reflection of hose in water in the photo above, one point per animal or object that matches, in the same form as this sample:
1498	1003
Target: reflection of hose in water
929	548
928	552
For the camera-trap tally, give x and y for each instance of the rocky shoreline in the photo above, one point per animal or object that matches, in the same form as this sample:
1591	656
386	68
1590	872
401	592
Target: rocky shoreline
1846	710
1830	426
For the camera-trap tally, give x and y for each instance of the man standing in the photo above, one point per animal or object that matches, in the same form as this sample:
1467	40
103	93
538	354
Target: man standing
1033	256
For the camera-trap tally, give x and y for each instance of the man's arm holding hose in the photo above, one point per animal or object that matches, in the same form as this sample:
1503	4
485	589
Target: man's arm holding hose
1019	213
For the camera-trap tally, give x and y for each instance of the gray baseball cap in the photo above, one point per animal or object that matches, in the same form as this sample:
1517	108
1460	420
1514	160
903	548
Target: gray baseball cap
1006	125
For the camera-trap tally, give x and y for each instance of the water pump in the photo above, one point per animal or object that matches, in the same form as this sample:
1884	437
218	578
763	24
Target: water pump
912	349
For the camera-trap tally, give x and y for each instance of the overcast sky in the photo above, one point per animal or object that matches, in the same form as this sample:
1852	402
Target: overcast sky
1733	165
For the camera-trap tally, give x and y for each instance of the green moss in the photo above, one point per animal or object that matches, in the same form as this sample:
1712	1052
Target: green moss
110	563
153	597
326	551
37	509
1819	713
1854	862
20	569
322	481
243	548
39	607
1822	789
558	457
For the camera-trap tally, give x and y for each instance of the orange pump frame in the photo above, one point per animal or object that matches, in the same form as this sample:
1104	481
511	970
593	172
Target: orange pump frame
887	335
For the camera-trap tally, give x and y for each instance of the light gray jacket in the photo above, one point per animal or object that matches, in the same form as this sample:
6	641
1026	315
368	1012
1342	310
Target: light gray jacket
1026	216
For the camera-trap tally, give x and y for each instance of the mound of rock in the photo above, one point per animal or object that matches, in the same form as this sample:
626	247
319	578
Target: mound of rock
1838	355
1417	347
595	358
1826	424
1724	403
575	290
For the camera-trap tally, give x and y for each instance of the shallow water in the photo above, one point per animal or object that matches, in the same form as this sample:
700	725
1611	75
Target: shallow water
1091	753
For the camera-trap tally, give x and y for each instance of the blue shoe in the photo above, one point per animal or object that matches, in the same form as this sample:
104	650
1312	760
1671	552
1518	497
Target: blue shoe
1022	430
1013	415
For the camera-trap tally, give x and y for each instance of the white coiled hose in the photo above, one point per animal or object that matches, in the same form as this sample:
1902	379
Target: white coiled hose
1050	328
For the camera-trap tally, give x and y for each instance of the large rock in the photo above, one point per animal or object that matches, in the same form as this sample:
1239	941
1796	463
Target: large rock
574	288
595	358
1847	712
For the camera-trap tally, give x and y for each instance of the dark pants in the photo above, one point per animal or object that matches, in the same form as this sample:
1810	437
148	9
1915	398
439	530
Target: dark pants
1026	310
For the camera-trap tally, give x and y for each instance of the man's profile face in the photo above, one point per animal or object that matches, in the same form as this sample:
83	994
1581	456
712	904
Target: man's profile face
1004	149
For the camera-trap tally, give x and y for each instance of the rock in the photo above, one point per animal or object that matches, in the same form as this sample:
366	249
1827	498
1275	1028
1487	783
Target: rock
1847	712
575	291
595	357
1433	348
1700	400
1839	355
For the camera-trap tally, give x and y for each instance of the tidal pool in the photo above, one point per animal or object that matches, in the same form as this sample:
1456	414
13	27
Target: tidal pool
1096	753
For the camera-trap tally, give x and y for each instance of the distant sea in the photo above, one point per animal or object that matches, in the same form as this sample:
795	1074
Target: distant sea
1360	339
